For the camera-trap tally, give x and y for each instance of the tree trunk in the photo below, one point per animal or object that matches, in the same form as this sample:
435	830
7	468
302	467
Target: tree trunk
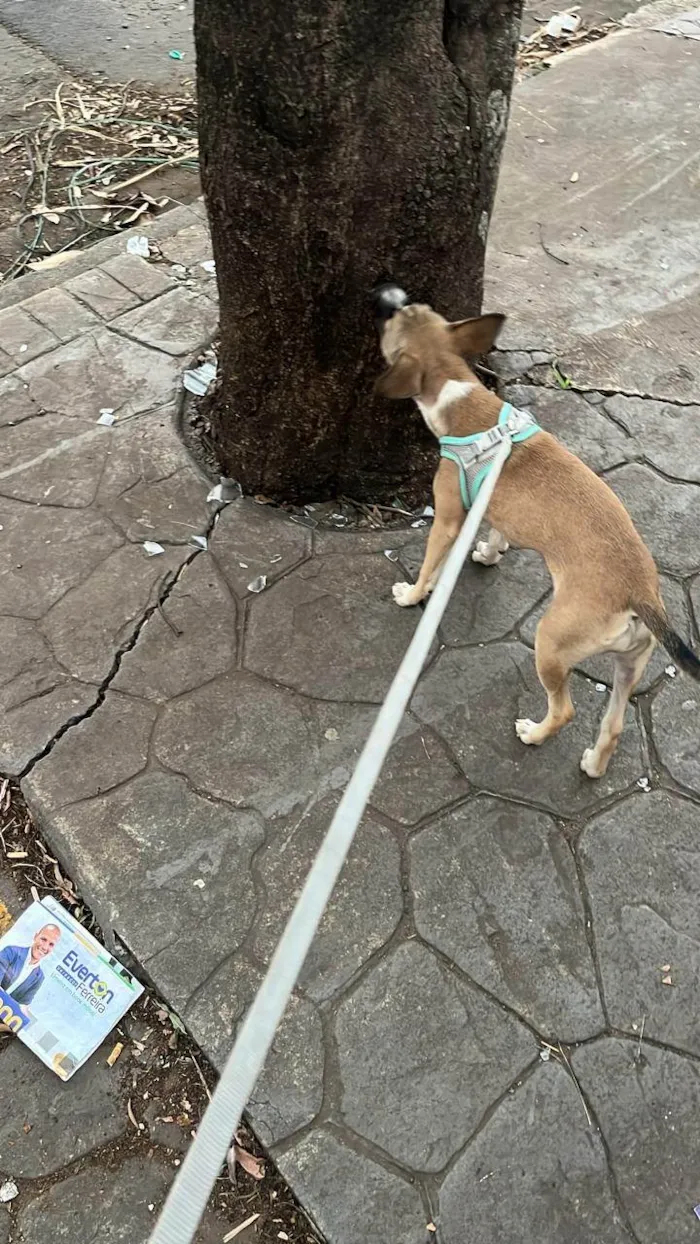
342	142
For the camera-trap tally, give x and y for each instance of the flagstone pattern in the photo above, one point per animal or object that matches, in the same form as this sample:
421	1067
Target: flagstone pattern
505	976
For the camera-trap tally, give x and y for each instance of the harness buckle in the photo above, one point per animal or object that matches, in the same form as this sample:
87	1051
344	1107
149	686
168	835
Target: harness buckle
489	440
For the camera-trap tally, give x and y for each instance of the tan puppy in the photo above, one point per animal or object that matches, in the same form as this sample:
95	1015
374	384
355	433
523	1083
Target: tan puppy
606	586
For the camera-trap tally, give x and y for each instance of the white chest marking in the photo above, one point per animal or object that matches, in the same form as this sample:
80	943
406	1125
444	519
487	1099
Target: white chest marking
451	391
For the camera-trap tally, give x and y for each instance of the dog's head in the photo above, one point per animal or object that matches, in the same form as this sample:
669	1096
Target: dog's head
415	340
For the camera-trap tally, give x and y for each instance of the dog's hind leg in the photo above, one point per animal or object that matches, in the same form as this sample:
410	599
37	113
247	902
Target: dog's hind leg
554	661
629	667
489	552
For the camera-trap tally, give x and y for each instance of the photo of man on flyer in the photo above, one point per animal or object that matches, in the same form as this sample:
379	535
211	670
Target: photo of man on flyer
21	974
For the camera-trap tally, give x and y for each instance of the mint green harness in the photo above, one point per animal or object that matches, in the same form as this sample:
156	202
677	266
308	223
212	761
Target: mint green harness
474	454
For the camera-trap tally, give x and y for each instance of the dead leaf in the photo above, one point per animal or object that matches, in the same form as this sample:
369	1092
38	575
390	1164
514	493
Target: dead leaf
139	211
251	1165
52	261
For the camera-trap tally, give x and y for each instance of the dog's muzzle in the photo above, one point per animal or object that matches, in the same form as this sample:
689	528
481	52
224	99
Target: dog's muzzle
387	299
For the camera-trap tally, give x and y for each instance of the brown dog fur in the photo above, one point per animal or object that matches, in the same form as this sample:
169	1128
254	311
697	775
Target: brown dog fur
606	586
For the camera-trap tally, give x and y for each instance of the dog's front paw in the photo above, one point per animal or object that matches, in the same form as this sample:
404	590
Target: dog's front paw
592	767
485	554
405	594
528	731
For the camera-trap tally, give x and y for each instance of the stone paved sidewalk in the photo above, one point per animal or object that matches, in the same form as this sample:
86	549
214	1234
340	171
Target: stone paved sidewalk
173	729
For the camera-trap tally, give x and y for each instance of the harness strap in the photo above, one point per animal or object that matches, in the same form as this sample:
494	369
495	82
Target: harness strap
474	454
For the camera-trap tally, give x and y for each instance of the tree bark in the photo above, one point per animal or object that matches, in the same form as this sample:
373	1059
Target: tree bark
342	142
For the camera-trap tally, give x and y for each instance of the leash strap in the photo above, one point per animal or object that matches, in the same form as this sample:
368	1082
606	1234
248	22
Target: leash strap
188	1196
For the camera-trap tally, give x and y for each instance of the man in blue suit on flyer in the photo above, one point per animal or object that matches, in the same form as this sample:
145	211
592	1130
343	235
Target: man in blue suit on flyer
21	974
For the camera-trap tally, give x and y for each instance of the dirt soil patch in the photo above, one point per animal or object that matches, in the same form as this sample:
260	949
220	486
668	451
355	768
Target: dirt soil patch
89	161
539	48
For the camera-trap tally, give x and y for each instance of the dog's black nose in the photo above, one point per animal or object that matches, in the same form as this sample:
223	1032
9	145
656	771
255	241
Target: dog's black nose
387	299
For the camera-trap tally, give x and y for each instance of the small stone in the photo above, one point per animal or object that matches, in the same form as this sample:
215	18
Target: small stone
600	686
391	554
666	980
331	734
152	548
199	883
259	584
671	671
8	1191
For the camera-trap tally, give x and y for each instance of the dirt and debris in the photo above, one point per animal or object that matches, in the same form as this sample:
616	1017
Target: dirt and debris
537	50
88	162
169	1082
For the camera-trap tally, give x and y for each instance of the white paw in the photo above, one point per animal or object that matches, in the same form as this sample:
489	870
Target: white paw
404	594
589	764
526	731
485	555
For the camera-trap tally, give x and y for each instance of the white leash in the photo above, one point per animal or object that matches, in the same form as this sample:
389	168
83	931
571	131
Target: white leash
188	1196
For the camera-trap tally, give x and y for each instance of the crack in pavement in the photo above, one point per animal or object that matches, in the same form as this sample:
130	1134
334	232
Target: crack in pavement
165	591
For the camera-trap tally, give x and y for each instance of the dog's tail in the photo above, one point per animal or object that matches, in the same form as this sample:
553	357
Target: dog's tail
654	618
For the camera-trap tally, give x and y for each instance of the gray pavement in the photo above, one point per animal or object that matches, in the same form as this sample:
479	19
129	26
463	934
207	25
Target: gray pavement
484	1036
594	247
118	40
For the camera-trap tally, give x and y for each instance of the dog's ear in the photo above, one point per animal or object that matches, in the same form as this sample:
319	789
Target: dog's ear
474	337
402	379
